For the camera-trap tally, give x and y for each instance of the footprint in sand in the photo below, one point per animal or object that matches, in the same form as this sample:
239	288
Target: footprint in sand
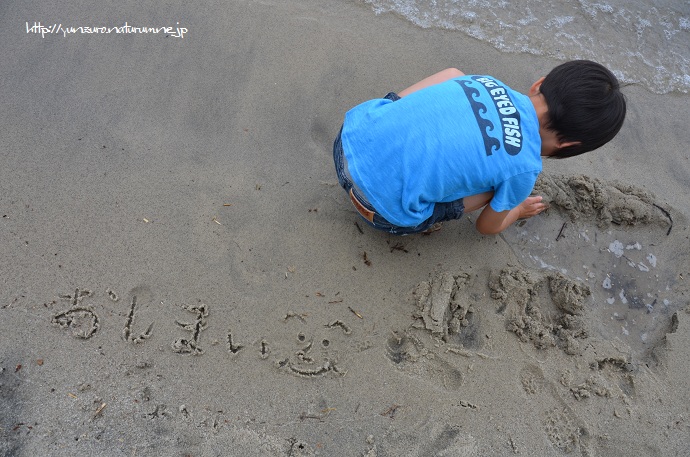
562	427
431	436
445	316
409	355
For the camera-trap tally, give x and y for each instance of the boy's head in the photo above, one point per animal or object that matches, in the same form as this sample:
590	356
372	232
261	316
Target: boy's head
585	105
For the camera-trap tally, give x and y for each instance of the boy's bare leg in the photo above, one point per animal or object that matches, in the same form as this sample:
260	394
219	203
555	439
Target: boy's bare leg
475	202
441	76
471	203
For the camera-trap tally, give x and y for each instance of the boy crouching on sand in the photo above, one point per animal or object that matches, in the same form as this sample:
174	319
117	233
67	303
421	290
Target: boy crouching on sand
453	143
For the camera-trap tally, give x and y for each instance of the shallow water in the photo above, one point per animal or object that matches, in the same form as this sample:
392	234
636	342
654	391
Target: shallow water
641	41
631	273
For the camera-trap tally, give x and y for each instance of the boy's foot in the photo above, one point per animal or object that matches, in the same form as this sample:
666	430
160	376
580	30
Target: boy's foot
434	228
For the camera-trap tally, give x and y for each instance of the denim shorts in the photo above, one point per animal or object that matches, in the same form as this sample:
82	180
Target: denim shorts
442	211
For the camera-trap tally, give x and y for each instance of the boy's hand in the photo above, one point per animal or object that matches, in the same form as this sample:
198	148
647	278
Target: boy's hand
532	206
490	222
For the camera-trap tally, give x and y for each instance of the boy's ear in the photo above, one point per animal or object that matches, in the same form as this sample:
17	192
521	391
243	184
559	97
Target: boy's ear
566	144
534	90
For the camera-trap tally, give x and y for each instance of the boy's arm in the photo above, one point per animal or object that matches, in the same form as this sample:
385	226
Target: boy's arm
491	222
441	76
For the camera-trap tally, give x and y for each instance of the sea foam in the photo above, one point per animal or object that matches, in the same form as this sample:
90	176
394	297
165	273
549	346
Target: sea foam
646	42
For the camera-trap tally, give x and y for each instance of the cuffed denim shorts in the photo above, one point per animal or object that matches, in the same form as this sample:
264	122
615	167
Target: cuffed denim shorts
442	211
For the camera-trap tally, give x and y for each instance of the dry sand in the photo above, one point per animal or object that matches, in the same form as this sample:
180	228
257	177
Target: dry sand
182	276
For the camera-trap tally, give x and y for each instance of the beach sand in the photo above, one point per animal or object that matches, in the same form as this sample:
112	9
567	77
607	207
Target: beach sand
182	276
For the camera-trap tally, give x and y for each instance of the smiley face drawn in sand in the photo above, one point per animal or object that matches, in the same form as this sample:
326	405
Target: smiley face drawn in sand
317	353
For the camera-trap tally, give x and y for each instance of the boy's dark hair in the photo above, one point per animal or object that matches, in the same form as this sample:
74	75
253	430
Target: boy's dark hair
585	105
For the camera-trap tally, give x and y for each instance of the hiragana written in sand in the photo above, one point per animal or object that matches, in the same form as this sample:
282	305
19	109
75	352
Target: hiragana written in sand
80	319
315	355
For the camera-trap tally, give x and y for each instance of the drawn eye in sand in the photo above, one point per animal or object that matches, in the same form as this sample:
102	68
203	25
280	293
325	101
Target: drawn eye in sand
317	353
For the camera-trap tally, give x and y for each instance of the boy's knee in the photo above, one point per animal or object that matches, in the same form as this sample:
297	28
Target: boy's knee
454	72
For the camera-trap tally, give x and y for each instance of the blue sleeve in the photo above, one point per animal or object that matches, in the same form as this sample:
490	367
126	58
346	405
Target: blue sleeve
513	191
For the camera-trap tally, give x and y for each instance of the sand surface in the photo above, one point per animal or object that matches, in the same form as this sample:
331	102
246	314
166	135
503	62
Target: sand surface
181	274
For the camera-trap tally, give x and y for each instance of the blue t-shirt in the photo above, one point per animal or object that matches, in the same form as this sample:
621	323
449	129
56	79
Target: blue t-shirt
462	137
